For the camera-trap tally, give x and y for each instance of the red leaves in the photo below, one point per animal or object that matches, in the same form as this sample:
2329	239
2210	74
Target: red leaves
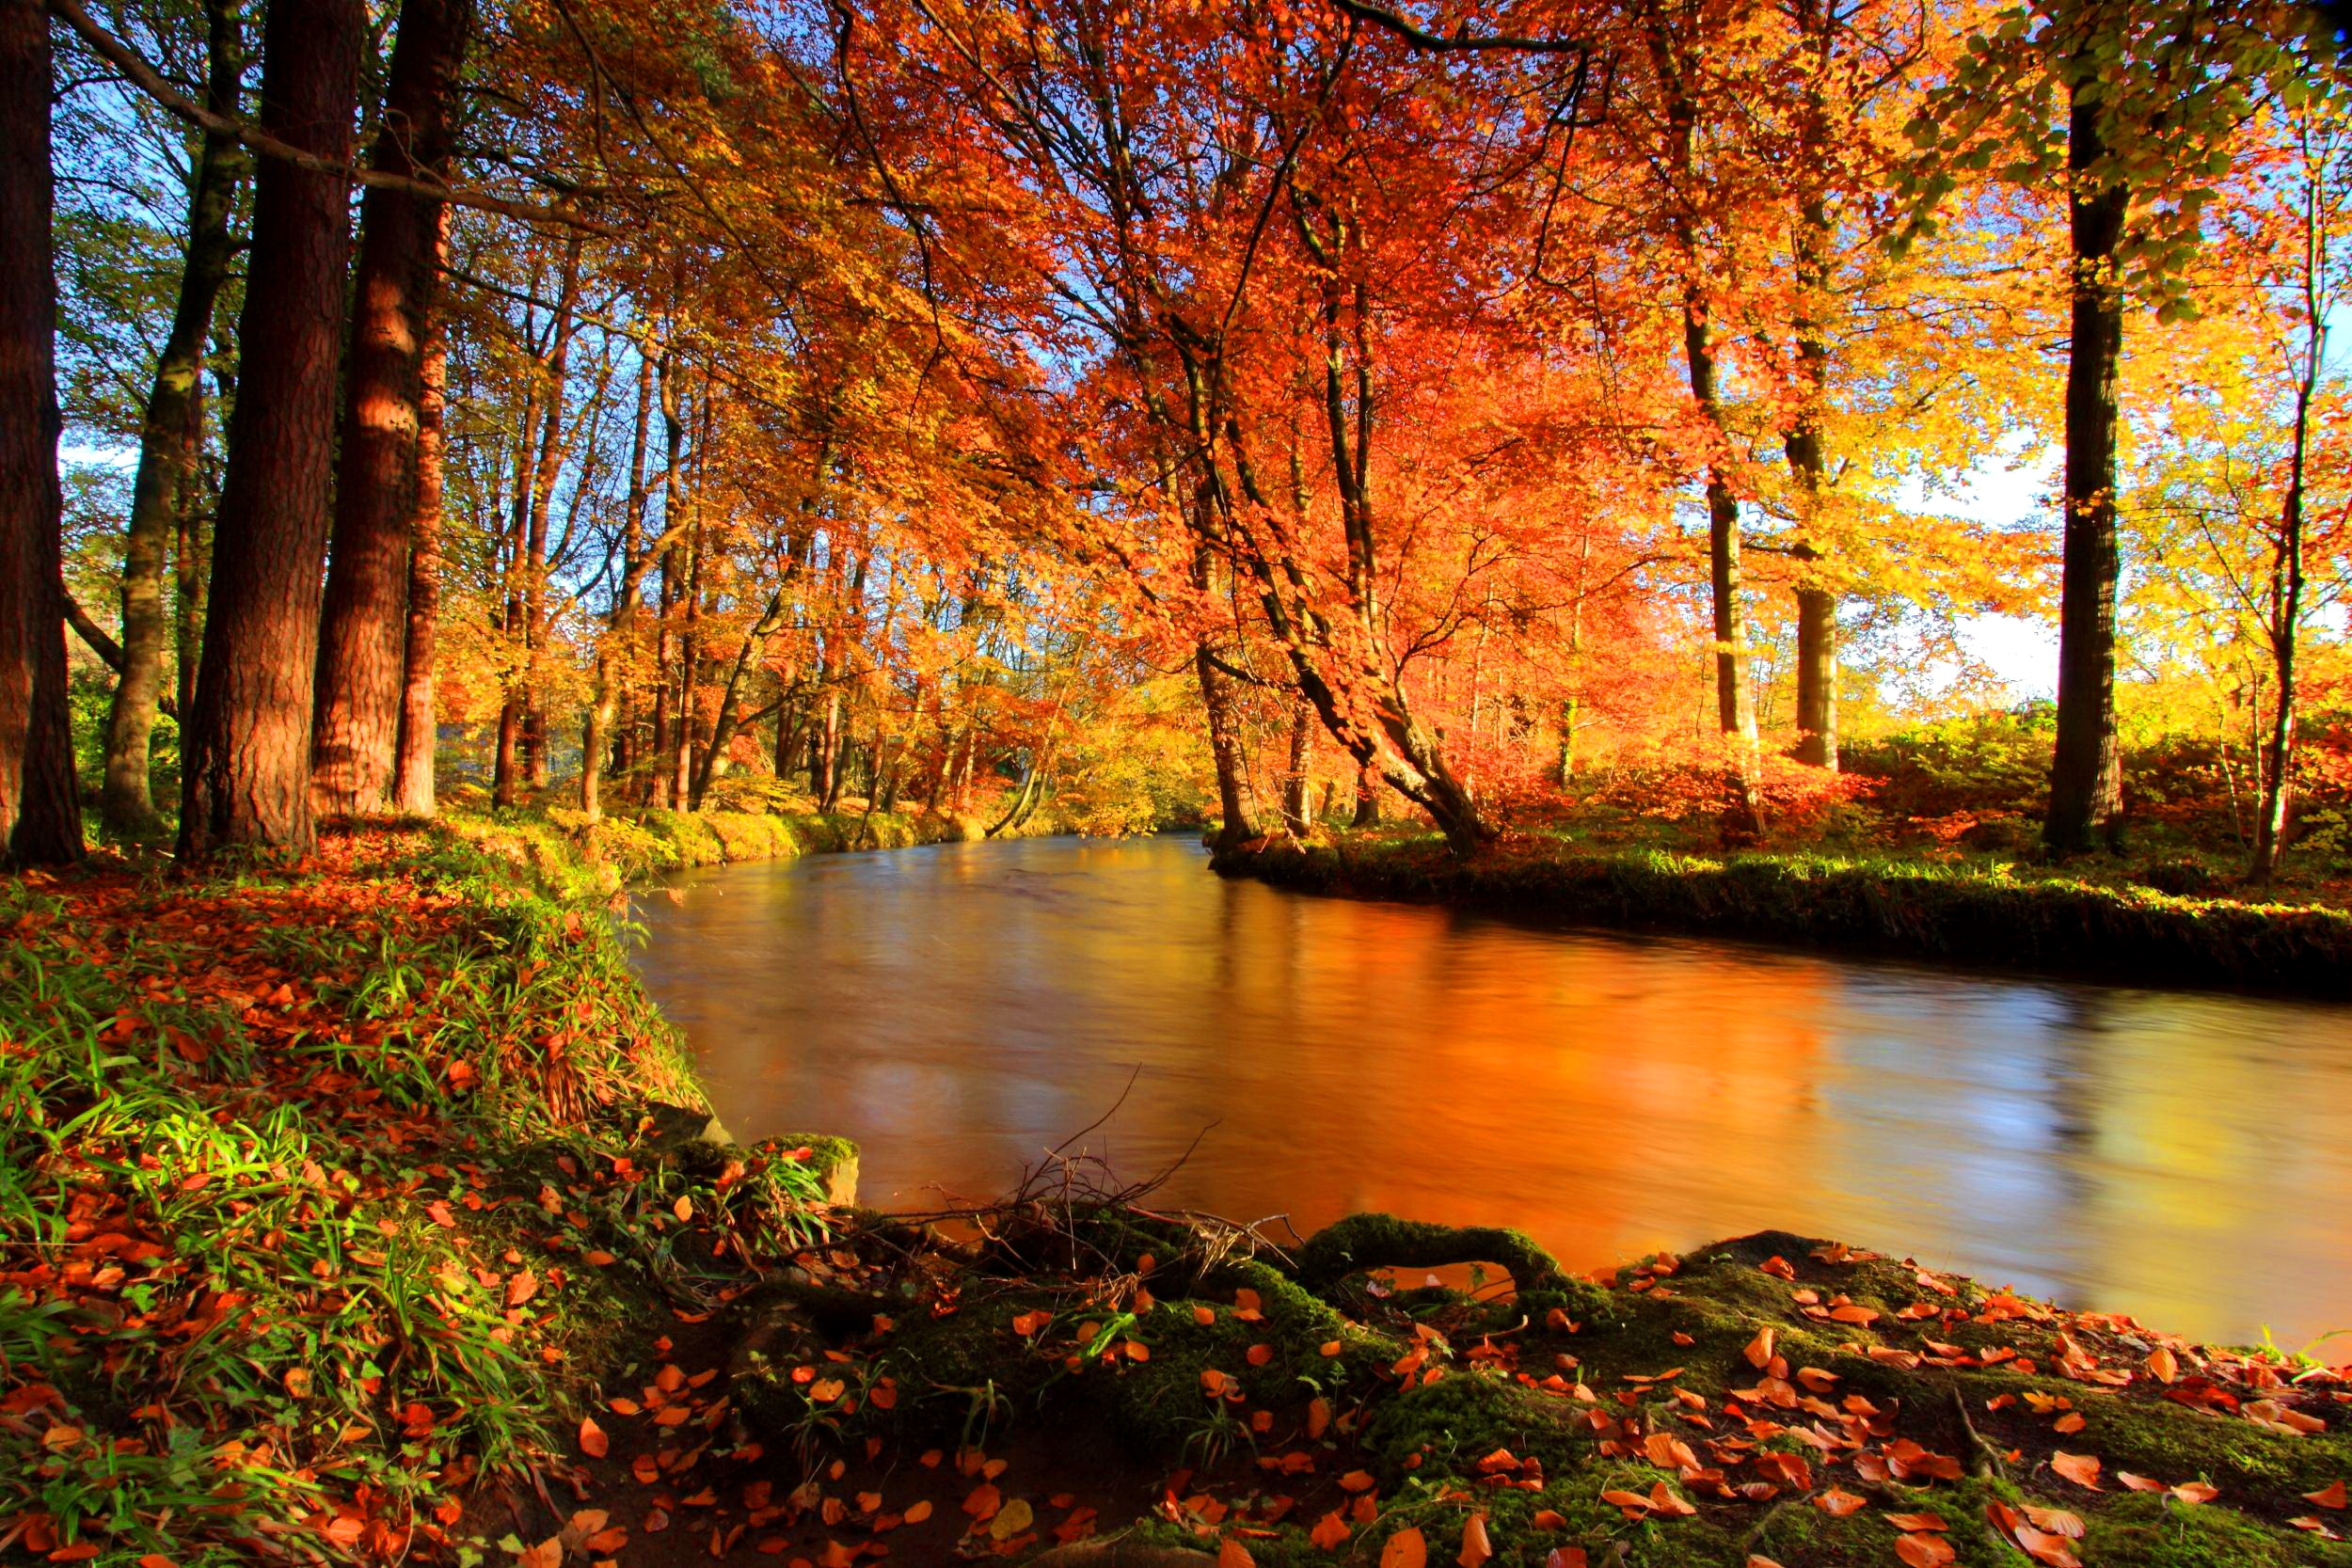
1925	1551
2080	1468
1405	1550
592	1441
2046	1547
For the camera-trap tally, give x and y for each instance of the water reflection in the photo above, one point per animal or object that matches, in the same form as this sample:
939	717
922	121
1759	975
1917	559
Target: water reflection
2184	1157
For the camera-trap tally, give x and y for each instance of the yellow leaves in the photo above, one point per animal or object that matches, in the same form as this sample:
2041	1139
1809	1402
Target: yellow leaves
1014	1517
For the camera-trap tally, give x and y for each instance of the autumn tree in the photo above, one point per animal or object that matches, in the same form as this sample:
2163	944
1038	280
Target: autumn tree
40	814
2149	93
168	488
363	629
247	741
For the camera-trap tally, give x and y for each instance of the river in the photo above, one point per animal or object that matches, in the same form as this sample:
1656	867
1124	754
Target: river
2183	1157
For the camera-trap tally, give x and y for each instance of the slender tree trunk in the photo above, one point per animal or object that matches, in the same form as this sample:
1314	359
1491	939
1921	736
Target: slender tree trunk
1367	799
617	647
545	473
412	767
2086	776
363	627
171	442
40	816
1294	775
191	578
1735	695
1817	602
248	744
2286	575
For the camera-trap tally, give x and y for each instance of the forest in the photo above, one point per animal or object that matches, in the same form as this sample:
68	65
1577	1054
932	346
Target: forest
1814	536
1561	420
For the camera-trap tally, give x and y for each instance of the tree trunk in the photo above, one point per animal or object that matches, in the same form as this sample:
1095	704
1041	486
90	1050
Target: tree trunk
545	473
1216	700
171	441
412	765
2286	573
248	744
1735	695
363	625
1367	799
2087	775
191	577
40	817
1816	603
1294	775
617	647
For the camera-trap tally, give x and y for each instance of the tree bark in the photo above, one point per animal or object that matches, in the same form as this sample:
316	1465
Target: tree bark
2287	564
1367	799
173	437
1294	775
2087	775
1735	695
419	722
247	743
362	631
40	817
618	645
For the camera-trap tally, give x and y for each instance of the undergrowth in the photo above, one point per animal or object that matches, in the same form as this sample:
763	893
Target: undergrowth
318	1193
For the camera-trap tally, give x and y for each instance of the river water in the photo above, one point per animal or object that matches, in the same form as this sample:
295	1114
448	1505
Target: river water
2185	1158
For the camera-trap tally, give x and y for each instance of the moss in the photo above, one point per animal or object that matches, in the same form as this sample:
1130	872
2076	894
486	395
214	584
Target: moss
1362	1241
2146	1531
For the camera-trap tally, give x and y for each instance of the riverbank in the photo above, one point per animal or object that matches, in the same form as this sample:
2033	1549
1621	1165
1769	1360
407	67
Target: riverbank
363	1212
1984	914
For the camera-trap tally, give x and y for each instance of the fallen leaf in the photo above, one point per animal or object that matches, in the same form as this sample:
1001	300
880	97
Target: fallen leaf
592	1441
2080	1468
1405	1550
1476	1549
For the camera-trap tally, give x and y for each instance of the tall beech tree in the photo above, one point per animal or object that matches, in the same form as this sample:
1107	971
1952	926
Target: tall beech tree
167	490
414	745
41	819
363	630
2148	94
247	743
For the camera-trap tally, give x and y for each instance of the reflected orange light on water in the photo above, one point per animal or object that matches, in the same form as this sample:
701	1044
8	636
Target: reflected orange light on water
959	1009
